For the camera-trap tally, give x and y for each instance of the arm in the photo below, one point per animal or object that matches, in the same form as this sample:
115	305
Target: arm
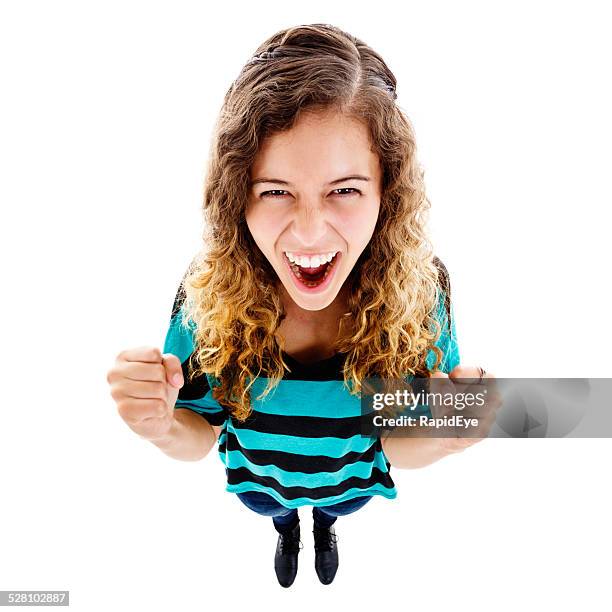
416	452
413	452
198	417
190	437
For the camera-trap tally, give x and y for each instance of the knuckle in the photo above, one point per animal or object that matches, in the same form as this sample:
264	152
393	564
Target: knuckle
154	353
123	408
160	406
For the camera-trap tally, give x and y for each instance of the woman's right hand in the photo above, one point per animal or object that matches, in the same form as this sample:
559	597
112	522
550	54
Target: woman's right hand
145	385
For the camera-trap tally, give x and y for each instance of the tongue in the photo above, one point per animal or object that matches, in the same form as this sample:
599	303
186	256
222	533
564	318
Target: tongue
313	273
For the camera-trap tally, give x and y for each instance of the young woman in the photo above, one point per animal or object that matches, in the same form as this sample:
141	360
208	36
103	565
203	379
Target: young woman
315	273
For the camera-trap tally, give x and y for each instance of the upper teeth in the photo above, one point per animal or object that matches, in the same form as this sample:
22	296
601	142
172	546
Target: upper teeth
310	262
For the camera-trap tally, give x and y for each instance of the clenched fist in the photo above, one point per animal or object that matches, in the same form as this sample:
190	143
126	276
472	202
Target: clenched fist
145	385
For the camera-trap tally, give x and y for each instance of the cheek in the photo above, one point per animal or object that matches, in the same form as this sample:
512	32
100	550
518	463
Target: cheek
263	226
357	226
255	217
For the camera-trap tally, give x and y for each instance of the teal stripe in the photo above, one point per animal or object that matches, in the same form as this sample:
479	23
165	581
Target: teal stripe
360	469
376	489
329	398
179	339
180	342
328	446
204	405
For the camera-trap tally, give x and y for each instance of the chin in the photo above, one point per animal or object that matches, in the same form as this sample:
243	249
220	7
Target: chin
313	304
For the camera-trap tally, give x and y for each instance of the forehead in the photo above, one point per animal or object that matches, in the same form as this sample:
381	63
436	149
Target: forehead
319	144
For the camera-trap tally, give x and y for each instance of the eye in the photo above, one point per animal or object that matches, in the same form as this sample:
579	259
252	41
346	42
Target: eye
272	191
351	189
279	193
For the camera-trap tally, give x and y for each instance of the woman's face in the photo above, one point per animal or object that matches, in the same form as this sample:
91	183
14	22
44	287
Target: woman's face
315	192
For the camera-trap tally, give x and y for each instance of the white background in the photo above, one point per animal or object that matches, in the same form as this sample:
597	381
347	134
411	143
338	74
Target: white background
106	114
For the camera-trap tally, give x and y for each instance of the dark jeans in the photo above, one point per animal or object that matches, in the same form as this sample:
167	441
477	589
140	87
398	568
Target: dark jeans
285	519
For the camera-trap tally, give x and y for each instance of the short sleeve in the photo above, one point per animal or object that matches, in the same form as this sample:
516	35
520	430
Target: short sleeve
197	393
447	342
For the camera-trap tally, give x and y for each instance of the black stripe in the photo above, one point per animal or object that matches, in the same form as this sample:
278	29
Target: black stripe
326	369
240	475
214	418
379	448
304	426
192	389
291	462
197	389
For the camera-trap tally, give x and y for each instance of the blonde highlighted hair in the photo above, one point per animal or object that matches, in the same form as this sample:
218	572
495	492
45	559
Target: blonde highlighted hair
229	293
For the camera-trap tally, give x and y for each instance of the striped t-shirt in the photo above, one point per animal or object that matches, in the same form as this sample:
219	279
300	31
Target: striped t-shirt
302	444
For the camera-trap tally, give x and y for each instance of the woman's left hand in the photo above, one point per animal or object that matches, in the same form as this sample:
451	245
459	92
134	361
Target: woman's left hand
466	379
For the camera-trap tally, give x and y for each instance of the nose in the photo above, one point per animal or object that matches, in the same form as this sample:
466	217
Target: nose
309	224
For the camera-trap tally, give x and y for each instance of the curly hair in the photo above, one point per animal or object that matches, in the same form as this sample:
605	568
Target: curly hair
229	295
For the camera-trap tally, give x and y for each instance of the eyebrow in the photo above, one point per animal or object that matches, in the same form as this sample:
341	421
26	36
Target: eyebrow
353	177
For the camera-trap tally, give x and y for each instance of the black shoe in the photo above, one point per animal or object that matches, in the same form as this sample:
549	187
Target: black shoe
326	553
286	557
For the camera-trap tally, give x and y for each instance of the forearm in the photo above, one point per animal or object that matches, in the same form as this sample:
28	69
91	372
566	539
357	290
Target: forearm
190	437
413	452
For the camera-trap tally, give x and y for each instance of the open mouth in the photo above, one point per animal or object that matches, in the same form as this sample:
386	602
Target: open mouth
312	278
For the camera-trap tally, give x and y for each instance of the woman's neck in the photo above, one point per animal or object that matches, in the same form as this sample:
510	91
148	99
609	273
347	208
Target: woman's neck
309	335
